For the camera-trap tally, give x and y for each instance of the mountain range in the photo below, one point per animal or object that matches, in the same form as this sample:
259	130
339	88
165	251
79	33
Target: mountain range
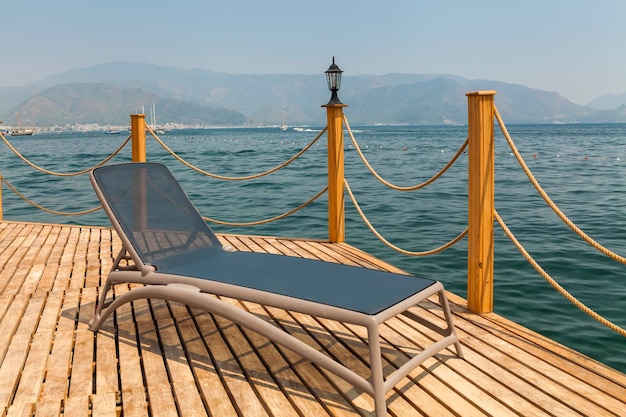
107	94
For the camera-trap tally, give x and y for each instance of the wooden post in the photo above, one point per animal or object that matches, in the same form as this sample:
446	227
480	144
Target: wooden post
138	134
336	211
138	137
480	201
1	177
1	208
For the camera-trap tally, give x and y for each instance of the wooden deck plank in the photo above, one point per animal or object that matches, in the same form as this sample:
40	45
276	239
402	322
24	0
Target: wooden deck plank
482	385
310	331
36	367
83	363
21	410
213	392
66	268
261	381
103	405
19	256
37	260
353	337
76	406
106	360
189	400
543	347
277	246
320	251
17	353
160	395
239	390
79	270
48	408
57	371
82	367
285	375
486	357
134	402
312	375
165	359
134	399
28	264
14	306
50	263
447	366
94	260
7	234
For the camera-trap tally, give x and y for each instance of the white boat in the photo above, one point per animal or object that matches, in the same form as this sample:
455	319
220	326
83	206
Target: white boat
153	125
20	131
283	126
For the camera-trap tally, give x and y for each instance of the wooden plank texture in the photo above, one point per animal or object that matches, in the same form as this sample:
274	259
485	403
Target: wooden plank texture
158	358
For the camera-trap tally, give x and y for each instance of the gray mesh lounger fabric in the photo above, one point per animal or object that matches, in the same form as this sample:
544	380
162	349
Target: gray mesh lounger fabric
177	256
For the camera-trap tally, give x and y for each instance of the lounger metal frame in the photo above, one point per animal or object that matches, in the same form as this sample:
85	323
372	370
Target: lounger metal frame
195	292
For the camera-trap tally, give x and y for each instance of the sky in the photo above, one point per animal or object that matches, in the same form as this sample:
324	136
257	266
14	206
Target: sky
576	48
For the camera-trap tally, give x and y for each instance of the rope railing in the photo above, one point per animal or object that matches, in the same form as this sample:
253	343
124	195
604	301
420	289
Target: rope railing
554	283
250	177
580	305
60	174
40	207
549	201
400	188
57	174
357	206
392	246
242	178
397	187
272	219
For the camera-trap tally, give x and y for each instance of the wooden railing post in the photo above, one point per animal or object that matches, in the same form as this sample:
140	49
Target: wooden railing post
336	210
138	137
480	201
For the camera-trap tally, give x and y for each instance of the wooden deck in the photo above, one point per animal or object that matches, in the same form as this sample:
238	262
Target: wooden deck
162	359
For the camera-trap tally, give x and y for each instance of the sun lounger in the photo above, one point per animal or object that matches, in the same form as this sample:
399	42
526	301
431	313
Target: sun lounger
169	247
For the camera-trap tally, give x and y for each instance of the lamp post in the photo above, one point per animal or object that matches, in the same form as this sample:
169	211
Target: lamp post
334	117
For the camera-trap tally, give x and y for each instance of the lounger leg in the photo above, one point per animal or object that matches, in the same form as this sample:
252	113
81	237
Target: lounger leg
445	306
96	321
376	368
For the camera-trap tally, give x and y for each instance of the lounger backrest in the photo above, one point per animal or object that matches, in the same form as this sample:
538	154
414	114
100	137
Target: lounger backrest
152	214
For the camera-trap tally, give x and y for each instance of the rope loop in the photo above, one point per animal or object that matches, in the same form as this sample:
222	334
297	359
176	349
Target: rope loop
259	222
59	174
40	207
394	247
553	282
397	187
243	178
549	201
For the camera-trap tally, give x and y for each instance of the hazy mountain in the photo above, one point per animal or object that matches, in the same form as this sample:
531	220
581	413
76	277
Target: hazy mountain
443	101
108	93
608	102
86	103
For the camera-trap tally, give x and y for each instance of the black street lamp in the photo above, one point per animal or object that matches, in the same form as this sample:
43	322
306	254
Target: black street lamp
333	77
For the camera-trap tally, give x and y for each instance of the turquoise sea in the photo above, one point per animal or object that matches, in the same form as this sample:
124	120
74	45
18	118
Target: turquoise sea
582	167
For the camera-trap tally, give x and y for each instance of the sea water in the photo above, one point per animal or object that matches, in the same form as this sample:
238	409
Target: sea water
581	166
